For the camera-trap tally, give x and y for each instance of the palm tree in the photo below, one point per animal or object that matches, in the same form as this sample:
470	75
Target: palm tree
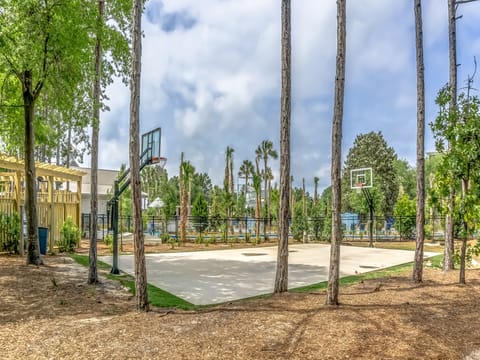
187	171
281	276
258	191
315	191
246	171
228	183
334	272
420	237
257	185
265	150
231	182
228	162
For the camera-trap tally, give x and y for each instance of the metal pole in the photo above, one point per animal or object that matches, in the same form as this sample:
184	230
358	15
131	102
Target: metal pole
115	230
370	244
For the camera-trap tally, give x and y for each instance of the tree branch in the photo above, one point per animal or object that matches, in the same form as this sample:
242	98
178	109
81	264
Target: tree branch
40	83
459	2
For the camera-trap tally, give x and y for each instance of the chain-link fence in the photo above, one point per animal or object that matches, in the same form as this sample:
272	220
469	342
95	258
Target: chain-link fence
355	228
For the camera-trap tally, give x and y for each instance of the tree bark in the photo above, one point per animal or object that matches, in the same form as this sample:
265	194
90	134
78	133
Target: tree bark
420	237
92	254
33	246
258	196
281	276
463	255
183	201
138	241
334	270
449	224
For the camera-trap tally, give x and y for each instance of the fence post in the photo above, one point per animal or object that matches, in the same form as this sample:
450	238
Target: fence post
176	227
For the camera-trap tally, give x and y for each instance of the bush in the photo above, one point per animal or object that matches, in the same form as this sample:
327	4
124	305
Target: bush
69	236
405	221
9	232
165	237
472	250
108	241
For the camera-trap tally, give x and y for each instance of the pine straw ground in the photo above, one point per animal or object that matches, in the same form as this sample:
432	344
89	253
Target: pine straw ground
50	312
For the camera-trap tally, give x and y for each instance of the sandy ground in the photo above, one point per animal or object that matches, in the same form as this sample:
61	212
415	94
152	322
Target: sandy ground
49	312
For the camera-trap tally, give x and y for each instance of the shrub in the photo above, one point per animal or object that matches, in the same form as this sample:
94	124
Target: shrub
472	250
172	241
9	232
165	237
69	236
405	217
108	241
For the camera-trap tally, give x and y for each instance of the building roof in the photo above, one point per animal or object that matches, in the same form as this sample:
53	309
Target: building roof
105	180
41	169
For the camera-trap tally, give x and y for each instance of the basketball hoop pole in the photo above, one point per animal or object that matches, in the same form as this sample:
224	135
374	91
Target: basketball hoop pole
149	156
369	198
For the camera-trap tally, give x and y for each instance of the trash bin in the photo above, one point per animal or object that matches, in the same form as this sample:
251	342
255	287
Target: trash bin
42	238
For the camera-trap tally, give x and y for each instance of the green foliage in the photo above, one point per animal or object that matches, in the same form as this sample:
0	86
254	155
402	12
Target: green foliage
299	222
165	237
457	138
9	232
200	213
108	241
69	236
472	250
326	198
406	177
170	195
172	241
405	211
317	219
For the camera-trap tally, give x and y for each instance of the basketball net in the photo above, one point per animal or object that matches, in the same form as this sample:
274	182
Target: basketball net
158	161
359	188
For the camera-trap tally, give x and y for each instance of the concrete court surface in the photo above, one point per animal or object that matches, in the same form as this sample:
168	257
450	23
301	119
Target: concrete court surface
209	277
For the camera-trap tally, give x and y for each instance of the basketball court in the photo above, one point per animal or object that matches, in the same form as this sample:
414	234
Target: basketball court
210	277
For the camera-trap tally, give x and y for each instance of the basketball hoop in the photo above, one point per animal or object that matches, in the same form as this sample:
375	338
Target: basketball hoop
159	160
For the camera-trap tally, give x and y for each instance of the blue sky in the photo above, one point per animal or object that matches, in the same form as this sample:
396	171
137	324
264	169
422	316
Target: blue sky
211	79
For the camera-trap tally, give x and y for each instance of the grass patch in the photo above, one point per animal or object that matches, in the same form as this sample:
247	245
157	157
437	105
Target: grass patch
353	279
84	260
156	296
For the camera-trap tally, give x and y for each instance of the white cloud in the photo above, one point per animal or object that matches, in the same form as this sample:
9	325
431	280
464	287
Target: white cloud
216	82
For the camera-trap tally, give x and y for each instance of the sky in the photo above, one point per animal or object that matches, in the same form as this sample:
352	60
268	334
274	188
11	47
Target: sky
211	79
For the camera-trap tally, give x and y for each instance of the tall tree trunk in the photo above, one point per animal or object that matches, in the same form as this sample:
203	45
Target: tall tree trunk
267	198
33	246
420	237
281	276
463	255
334	270
183	201
138	241
448	263
304	212
258	205
92	255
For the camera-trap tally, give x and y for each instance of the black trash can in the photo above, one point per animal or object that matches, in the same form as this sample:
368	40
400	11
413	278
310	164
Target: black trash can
43	238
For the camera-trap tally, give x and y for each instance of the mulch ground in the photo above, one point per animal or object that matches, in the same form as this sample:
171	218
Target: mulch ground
49	312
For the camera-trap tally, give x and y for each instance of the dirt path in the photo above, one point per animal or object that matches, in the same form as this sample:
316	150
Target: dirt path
50	312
